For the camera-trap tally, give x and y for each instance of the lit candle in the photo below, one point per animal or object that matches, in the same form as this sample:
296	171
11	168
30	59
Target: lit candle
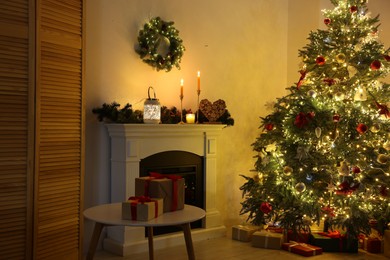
190	118
181	87
198	80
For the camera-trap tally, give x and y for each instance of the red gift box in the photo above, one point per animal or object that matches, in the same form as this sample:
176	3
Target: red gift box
142	208
166	186
373	245
302	249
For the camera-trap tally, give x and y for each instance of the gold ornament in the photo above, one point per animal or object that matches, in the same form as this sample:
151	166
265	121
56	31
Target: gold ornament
300	187
387	146
318	131
343	169
340	58
287	170
383	159
375	128
339	96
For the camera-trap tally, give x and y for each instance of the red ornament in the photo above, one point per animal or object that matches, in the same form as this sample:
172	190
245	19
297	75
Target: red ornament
356	169
375	65
347	188
361	128
336	118
387	57
265	207
303	119
353	9
269	127
327	21
320	60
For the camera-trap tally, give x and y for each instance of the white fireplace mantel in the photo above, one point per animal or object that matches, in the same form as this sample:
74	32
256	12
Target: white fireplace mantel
132	142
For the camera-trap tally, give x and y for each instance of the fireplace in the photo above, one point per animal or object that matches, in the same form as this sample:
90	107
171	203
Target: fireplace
133	146
185	164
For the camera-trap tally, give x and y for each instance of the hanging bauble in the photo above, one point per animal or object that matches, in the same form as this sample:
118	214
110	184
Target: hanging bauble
320	60
387	146
343	169
375	128
318	132
339	96
361	128
287	170
312	93
269	126
336	118
340	58
300	187
356	169
265	207
387	57
375	65
327	21
353	9
383	159
361	94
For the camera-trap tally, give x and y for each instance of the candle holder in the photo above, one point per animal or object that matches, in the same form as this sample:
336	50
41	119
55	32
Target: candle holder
181	109
197	112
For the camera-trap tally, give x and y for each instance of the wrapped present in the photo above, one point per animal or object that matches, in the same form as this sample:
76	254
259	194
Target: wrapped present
142	208
301	236
166	186
243	233
386	242
373	245
302	248
334	242
266	239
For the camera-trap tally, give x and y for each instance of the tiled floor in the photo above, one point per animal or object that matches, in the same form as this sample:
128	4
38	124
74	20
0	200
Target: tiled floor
228	249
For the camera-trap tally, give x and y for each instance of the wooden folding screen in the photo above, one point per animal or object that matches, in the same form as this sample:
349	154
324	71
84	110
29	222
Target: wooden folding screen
41	128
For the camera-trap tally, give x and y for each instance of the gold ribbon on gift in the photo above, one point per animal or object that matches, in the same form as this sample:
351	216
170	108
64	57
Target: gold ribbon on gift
244	228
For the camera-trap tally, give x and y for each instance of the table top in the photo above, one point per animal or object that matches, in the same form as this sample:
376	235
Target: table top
111	214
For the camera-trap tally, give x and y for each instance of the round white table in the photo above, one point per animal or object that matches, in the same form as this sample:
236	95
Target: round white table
111	215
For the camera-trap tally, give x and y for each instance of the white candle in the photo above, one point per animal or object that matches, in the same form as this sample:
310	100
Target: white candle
190	118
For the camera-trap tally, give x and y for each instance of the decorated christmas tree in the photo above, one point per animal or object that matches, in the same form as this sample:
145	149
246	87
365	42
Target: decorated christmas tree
323	152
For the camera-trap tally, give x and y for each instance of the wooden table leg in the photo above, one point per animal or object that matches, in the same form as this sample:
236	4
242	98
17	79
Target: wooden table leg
150	240
187	236
94	240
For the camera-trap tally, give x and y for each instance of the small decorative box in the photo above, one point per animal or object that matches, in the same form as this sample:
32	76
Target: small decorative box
142	208
373	245
243	233
168	187
266	239
386	247
302	249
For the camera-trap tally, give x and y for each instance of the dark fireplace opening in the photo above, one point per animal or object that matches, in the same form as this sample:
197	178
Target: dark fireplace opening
188	165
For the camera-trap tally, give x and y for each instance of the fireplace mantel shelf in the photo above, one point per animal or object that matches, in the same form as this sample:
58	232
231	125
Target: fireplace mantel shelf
162	129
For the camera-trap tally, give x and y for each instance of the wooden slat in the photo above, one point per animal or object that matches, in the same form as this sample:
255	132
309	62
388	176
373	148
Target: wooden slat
60	131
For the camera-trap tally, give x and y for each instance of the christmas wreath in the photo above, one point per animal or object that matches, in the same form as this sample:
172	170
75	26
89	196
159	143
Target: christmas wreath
159	45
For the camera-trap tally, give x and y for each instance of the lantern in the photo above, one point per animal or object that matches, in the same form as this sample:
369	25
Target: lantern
152	109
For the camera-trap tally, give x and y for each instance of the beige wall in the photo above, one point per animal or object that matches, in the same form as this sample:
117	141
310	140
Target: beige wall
247	52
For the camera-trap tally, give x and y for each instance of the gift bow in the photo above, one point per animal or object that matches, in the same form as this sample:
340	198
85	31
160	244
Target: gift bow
134	200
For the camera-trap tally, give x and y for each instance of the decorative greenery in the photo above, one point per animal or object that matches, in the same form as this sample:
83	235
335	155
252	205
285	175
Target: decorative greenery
160	45
112	114
324	152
